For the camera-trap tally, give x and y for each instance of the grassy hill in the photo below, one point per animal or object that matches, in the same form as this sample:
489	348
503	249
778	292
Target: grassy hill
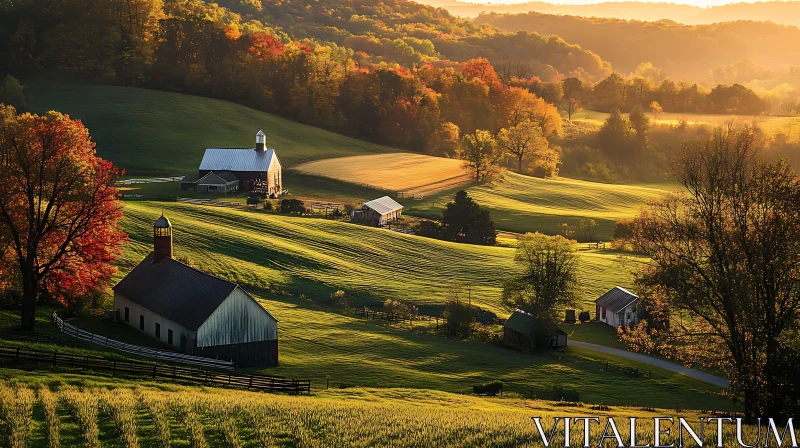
317	256
526	204
271	254
149	132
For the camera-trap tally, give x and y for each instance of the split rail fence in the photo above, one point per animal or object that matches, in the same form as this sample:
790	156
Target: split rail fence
154	371
147	352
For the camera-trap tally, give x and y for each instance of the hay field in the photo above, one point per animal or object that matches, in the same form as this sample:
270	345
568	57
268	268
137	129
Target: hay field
411	173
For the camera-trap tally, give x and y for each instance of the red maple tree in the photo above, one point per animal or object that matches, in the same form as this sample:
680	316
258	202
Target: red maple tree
59	209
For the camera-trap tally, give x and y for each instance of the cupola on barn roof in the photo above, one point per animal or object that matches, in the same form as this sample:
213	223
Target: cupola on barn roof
162	223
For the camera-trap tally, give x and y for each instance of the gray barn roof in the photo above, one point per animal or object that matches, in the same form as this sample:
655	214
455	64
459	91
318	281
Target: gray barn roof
218	178
175	291
617	299
383	205
236	159
190	178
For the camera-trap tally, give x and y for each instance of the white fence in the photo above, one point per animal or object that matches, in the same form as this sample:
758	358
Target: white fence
153	180
161	355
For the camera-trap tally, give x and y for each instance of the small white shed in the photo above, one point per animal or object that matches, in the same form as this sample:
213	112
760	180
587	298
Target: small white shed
617	308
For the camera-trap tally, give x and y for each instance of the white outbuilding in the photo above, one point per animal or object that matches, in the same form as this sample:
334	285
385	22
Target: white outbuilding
617	308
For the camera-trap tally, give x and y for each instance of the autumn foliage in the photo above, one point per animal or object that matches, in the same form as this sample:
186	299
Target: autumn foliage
59	209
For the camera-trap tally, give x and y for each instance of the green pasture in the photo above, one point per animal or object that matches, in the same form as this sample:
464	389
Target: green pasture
528	204
154	133
315	256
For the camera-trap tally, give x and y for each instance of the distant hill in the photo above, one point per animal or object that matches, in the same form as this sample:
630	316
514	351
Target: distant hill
681	50
783	12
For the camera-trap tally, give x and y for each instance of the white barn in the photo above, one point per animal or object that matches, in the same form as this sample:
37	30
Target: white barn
379	212
195	312
617	308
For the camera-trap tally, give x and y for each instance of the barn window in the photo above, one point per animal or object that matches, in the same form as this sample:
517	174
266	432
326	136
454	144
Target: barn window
158	330
141	322
169	336
127	314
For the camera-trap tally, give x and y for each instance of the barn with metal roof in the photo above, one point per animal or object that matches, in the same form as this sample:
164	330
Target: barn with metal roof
194	312
256	169
617	307
379	212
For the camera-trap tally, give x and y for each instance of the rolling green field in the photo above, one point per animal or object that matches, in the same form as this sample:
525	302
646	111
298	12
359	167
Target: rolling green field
309	257
316	256
526	204
148	132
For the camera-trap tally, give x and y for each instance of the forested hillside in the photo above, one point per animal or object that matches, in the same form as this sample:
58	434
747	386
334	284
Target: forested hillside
682	51
393	72
783	12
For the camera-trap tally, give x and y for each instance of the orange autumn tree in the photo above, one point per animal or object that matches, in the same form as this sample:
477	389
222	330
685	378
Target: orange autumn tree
59	210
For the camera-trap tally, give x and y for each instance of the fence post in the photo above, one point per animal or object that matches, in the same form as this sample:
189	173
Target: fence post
114	368
154	371
251	382
55	353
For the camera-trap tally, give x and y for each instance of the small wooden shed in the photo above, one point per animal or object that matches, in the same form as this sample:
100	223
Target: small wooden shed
378	212
617	308
520	329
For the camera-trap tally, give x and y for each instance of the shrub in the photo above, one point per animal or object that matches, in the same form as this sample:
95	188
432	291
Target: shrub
339	299
584	316
491	388
560	393
397	308
430	229
268	206
293	206
253	200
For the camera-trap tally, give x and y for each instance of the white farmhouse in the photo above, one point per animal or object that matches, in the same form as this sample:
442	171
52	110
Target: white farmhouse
617	308
194	312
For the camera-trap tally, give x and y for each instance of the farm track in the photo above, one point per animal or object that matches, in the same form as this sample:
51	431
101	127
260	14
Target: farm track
660	363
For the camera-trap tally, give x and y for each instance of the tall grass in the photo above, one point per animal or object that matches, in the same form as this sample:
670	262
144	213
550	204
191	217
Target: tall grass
52	423
16	410
188	410
158	412
121	405
83	407
355	418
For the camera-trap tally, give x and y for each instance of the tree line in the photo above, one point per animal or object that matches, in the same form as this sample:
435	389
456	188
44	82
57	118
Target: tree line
426	108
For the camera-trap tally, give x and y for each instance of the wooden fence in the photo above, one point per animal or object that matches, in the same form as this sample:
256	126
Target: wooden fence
635	371
382	315
147	352
150	197
154	371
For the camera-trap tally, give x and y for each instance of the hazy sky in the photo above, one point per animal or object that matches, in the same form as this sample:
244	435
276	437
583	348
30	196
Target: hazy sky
703	3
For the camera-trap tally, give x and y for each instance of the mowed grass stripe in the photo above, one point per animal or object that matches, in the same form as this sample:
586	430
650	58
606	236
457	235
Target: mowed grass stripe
268	250
528	204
